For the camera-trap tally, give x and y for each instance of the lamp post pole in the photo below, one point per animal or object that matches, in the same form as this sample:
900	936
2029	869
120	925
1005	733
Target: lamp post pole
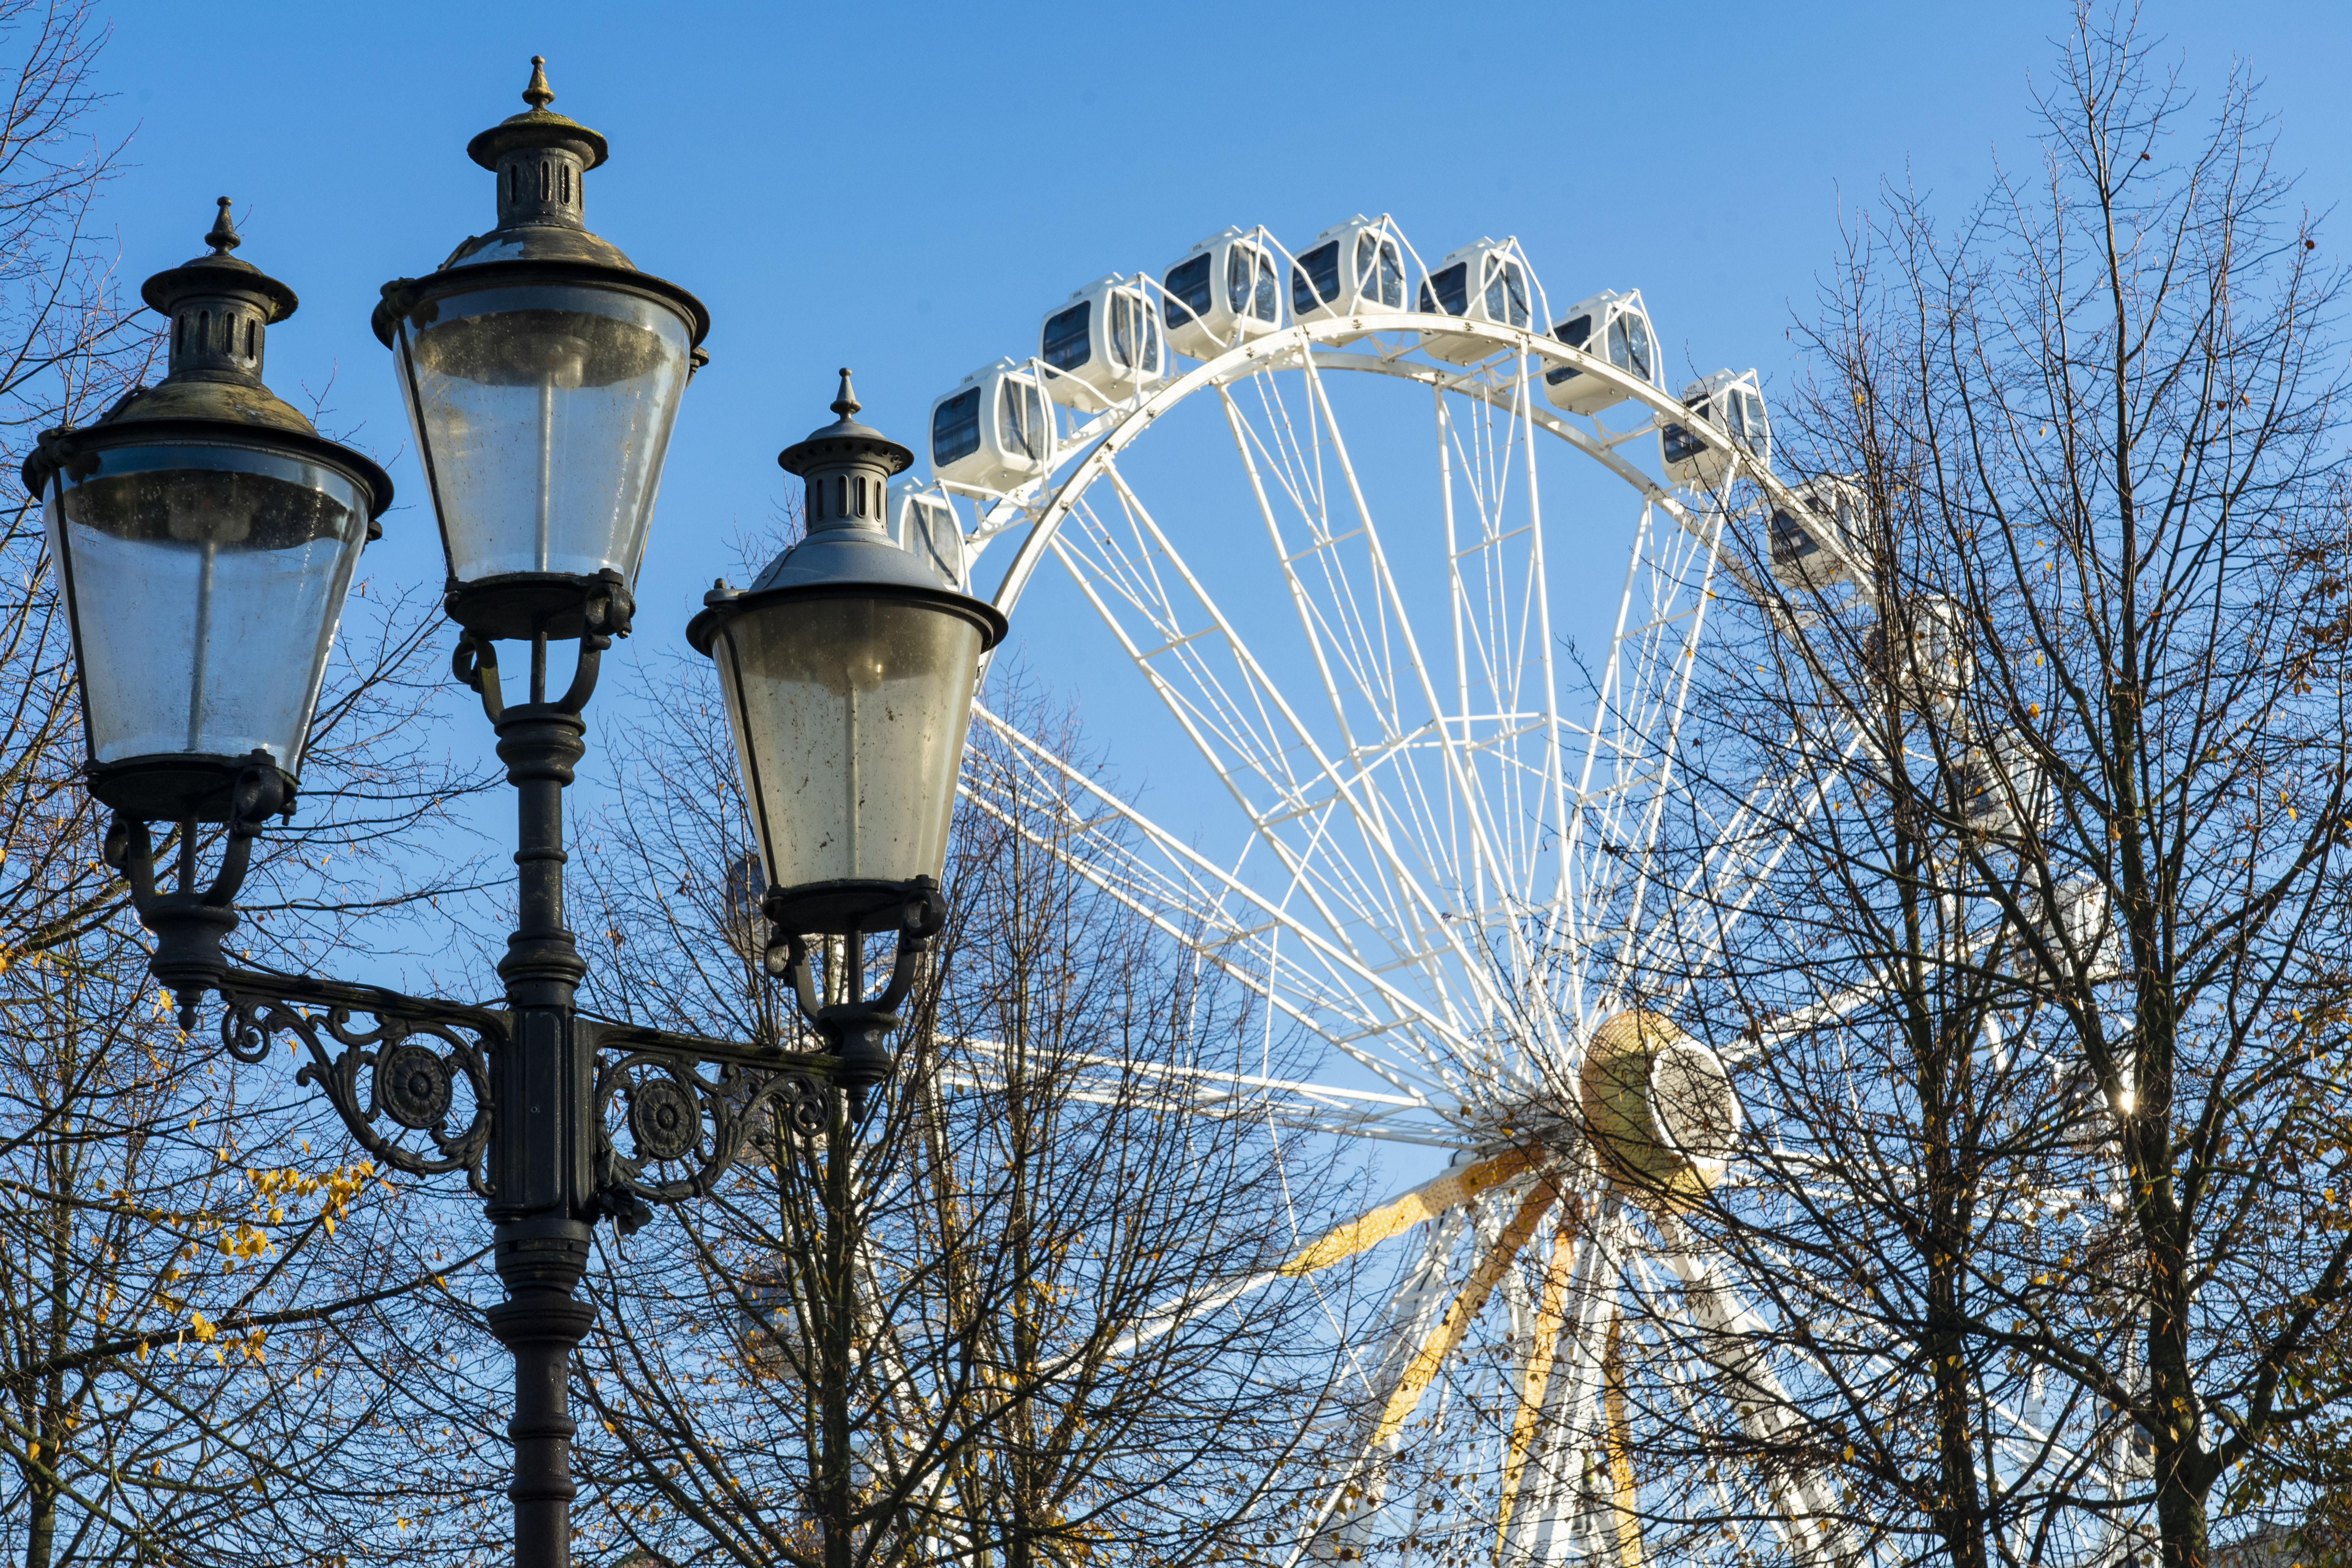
206	535
543	1153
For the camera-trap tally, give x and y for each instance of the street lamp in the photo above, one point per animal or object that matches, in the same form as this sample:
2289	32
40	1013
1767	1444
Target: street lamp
206	536
849	668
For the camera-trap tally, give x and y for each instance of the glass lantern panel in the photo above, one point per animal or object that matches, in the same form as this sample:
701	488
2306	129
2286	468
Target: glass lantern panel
204	583
541	413
849	717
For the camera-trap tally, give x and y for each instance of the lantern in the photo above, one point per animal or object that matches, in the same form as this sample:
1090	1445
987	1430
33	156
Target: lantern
205	536
848	669
542	373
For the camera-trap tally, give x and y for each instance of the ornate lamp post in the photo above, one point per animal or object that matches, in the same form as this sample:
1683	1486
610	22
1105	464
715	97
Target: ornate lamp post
207	534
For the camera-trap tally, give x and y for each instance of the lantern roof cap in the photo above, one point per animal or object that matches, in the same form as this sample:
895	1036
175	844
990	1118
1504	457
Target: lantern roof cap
218	272
532	227
538	126
212	374
845	440
845	554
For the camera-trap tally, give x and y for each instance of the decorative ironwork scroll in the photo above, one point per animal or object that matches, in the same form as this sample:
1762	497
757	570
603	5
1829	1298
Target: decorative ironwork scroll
424	1065
677	1110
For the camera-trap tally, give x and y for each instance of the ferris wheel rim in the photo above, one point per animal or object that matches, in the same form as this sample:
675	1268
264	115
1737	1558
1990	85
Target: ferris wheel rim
1103	438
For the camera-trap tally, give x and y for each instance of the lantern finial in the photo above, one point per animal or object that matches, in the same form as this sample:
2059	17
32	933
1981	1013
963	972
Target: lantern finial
539	95
846	403
223	238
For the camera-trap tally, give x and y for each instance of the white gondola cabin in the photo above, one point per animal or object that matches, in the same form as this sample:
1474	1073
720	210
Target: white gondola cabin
1824	538
1483	281
1733	403
1104	346
1935	666
1609	326
1997	788
924	524
995	431
1352	267
1227	289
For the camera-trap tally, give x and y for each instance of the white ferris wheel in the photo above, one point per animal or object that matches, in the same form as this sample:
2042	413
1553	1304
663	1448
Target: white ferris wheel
1414	570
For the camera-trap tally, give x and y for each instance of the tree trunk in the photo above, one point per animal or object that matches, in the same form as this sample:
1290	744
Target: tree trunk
41	1532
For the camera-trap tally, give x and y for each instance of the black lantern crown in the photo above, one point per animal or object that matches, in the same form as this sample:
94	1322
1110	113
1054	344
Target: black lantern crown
542	159
848	467
221	310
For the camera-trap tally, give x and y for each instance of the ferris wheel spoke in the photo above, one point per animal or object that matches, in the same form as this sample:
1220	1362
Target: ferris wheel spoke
1446	1336
1734	859
1542	1424
1225	920
1736	1342
1294	821
1387	885
1352	1502
1500	618
1681	1381
1394	627
1438	1201
1298	1105
1626	776
1357	650
1555	1501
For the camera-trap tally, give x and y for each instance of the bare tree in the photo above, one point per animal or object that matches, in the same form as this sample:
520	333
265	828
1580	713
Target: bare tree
2043	1008
978	1326
199	1280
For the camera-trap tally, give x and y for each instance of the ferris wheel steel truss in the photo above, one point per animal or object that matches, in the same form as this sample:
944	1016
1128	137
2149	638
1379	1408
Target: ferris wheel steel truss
1465	879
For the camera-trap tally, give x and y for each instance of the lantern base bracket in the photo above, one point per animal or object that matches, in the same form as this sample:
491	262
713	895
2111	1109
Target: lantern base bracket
181	785
189	926
856	1032
850	906
517	607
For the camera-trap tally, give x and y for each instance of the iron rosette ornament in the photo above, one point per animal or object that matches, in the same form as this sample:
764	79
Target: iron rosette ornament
424	1067
676	1122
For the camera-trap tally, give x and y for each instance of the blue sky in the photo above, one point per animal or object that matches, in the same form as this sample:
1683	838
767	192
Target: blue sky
908	188
905	187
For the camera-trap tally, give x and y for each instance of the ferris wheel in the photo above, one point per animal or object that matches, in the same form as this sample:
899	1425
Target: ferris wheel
1407	574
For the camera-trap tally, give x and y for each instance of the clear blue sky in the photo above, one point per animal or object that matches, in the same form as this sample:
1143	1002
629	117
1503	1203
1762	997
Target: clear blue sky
905	187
